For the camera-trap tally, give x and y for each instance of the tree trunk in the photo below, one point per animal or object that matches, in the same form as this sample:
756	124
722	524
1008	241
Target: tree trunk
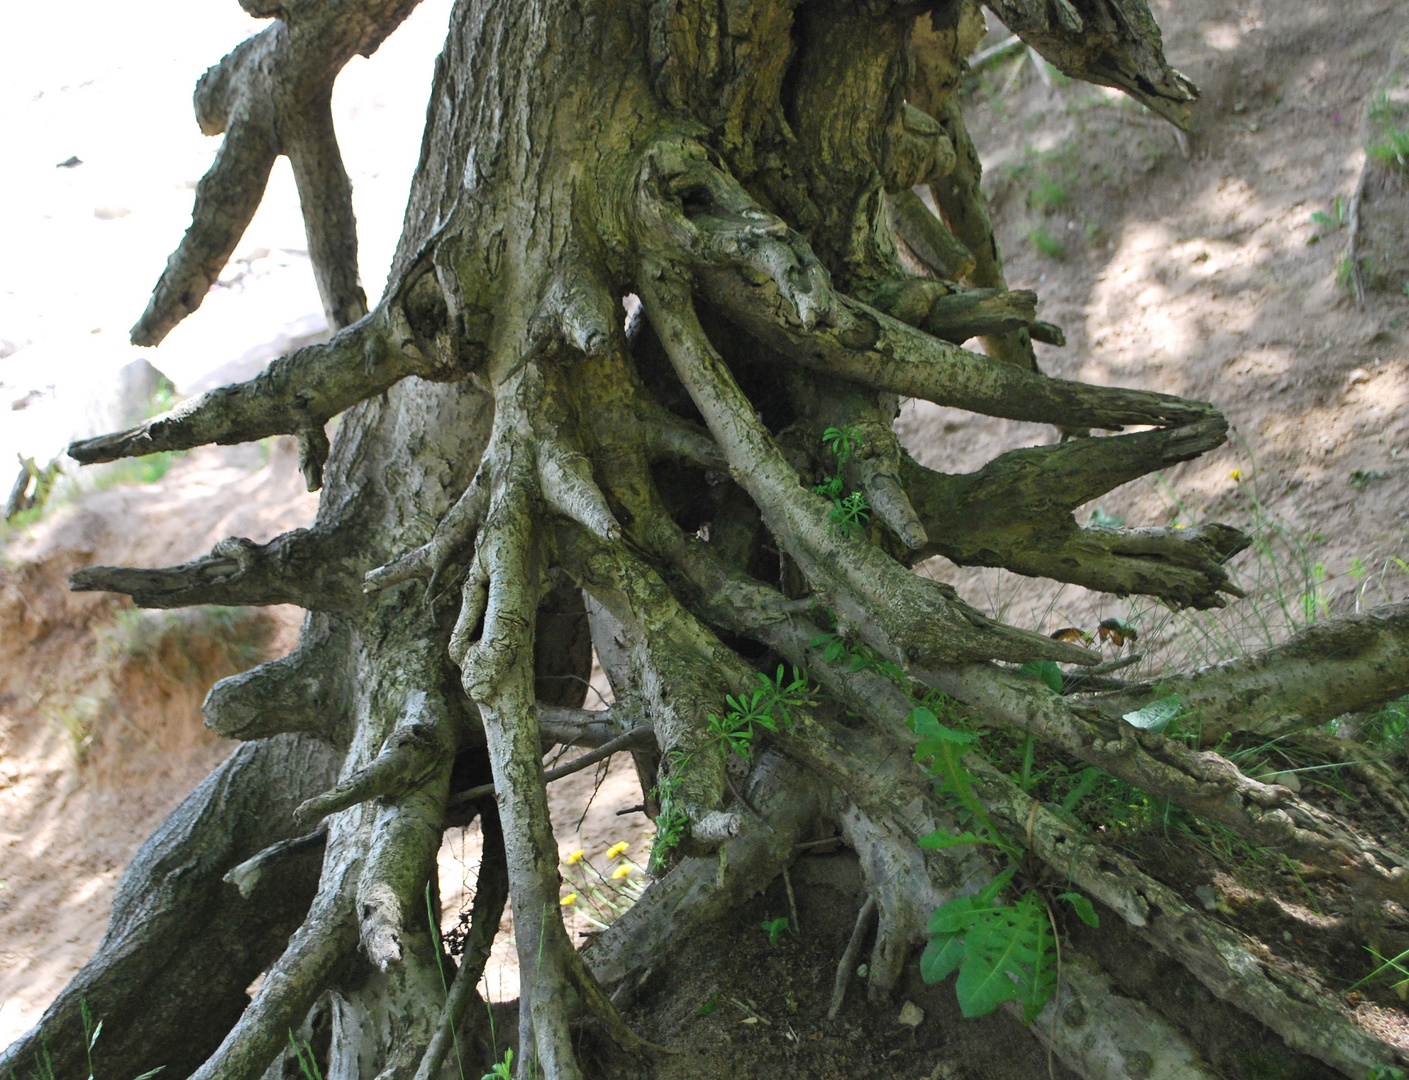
718	474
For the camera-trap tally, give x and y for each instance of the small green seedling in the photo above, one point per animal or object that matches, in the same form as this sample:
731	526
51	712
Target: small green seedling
503	1070
709	1006
775	928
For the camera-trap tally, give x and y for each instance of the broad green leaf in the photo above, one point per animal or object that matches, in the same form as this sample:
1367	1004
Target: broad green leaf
939	840
941	956
1082	906
997	885
957	915
1047	671
1041	976
1155	716
1003	957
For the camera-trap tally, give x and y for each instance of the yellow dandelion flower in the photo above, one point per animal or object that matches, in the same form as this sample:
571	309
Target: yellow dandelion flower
621	871
1236	474
568	900
576	856
1181	525
616	849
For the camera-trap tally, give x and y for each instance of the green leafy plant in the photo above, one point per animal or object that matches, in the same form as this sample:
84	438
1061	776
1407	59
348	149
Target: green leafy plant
1001	951
848	511
670	822
503	1069
775	928
843	442
766	707
837	649
1393	969
1045	244
1337	219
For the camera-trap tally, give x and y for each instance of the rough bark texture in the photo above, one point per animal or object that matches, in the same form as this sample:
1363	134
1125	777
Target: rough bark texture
717	474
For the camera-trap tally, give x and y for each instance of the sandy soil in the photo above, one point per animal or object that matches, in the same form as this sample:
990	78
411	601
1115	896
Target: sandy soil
1186	274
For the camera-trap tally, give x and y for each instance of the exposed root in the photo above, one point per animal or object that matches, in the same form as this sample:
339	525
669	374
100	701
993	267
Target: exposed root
927	237
453	534
1016	512
865	346
1101	1034
299	692
295	395
1124	51
247	875
702	889
585	727
272	96
1215	954
898	875
422	743
846	967
954	313
462	1000
638	738
1333	667
313	568
290	987
493	644
189	941
907	618
405	840
1205	783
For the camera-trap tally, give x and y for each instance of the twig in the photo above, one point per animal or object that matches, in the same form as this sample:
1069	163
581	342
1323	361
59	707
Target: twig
983	57
636	738
848	958
1352	247
792	901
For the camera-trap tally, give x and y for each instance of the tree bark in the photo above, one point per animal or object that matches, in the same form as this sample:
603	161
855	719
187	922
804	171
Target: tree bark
747	174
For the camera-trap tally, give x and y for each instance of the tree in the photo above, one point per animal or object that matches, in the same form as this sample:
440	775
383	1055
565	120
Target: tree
716	474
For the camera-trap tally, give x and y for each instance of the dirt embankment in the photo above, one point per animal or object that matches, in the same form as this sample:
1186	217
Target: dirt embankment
100	732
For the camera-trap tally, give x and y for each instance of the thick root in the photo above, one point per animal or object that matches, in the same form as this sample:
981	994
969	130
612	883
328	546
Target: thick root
298	692
313	568
1100	1034
1333	667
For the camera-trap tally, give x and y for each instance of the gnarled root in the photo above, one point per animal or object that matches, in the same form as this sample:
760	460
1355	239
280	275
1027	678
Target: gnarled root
305	691
271	96
1215	954
307	567
169	978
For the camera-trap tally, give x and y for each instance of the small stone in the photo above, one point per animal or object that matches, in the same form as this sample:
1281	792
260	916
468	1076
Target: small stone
1287	936
1207	897
911	1015
1287	780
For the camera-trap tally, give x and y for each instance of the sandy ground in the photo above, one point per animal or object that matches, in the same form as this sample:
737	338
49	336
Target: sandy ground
1186	274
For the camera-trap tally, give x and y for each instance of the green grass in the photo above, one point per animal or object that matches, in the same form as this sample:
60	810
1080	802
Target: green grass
143	470
1045	244
232	635
1046	194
